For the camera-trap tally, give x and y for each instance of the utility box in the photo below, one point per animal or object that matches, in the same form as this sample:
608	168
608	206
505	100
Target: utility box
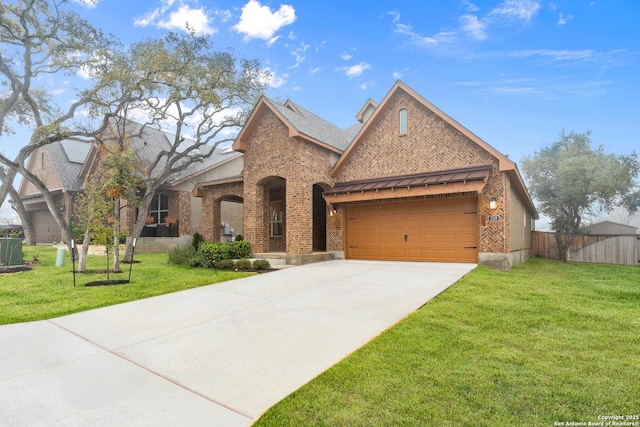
10	251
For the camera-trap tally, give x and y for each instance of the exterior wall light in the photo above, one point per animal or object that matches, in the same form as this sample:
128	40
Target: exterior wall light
493	203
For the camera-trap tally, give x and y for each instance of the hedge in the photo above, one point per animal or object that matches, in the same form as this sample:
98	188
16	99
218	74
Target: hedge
212	252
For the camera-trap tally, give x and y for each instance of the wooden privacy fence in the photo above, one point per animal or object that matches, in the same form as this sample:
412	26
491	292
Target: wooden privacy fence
623	249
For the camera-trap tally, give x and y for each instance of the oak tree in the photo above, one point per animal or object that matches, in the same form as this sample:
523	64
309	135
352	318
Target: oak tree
573	181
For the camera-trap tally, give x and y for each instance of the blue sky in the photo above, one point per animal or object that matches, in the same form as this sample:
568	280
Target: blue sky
515	72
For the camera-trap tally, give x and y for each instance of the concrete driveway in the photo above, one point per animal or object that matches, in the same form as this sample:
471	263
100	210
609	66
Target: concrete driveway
216	355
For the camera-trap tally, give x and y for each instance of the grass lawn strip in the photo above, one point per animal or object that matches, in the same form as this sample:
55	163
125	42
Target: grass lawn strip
47	291
547	342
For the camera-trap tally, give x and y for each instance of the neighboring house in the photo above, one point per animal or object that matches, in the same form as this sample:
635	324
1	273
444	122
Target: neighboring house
65	165
405	182
58	165
606	228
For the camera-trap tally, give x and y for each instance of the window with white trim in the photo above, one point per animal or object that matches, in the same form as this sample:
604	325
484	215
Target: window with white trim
403	122
159	208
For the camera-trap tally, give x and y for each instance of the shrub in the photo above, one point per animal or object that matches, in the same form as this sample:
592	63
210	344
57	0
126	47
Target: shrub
225	264
196	240
239	249
242	264
212	252
239	238
261	264
185	255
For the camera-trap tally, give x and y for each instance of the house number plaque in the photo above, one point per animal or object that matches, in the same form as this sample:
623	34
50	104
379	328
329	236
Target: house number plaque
494	218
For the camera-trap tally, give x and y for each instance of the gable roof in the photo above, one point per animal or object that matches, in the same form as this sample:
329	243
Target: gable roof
609	227
300	123
148	142
505	164
67	157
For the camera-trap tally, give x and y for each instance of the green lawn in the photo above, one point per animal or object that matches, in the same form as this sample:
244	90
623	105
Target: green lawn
545	343
47	291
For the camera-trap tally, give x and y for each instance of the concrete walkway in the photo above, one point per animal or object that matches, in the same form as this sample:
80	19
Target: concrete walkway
218	355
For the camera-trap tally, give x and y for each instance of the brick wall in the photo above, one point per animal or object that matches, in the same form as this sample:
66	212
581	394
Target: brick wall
430	144
272	153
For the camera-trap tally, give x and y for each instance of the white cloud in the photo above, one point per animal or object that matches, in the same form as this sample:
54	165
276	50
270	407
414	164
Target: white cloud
542	88
347	54
562	20
314	70
522	10
470	6
472	26
395	14
397	75
272	79
366	85
87	3
356	70
299	54
150	17
442	37
181	18
272	40
223	15
186	17
258	22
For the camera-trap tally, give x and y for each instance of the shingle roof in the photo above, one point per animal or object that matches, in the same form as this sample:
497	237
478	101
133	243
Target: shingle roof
315	127
149	142
65	156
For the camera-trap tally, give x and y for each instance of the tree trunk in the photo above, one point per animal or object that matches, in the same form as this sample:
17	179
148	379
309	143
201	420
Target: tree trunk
116	237
7	183
563	245
25	218
82	258
139	224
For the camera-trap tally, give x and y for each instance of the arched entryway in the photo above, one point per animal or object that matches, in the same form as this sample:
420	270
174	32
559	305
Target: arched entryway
319	218
275	213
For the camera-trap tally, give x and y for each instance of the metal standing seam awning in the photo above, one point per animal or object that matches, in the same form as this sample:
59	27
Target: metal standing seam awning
453	181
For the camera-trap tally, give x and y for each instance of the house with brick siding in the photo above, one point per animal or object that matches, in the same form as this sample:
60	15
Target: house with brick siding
65	165
406	182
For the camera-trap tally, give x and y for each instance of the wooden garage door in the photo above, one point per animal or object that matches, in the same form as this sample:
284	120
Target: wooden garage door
422	230
45	227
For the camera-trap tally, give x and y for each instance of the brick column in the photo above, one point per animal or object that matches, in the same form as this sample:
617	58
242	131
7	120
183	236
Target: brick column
255	222
299	218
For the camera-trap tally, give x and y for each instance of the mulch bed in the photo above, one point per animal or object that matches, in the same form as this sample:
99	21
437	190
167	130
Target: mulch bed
10	269
107	282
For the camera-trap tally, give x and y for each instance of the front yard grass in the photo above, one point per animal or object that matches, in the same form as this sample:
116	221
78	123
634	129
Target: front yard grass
546	343
47	291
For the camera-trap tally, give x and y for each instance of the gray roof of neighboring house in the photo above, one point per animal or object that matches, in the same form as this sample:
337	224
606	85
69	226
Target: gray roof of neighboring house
148	142
311	125
67	157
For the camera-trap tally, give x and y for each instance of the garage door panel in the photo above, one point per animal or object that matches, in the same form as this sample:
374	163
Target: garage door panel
435	230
